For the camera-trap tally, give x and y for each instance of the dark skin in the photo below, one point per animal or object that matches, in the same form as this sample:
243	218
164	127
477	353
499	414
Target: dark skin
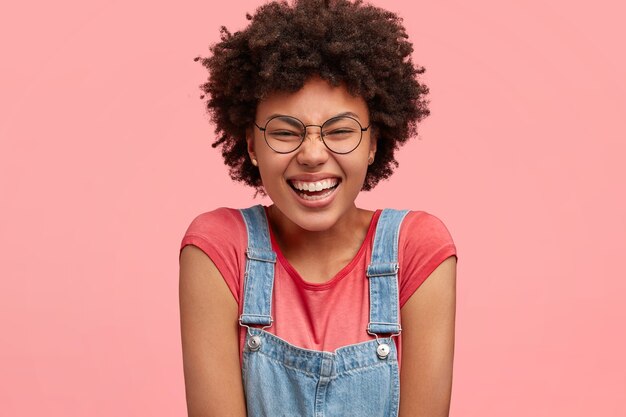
294	244
207	308
212	370
318	241
359	45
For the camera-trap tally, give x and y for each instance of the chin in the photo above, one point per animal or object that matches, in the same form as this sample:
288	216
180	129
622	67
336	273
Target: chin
316	226
316	222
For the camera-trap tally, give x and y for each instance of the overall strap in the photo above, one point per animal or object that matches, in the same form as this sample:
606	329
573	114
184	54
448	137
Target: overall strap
259	275
382	273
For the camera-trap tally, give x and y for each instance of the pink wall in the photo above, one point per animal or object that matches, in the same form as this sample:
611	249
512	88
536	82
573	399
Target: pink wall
105	159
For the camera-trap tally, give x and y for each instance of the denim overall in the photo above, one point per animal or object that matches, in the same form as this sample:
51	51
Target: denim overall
357	380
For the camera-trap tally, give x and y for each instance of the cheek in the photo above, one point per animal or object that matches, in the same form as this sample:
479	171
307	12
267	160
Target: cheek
356	170
266	174
358	162
272	169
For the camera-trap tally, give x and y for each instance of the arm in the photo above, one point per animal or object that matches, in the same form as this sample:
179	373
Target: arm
428	345
210	339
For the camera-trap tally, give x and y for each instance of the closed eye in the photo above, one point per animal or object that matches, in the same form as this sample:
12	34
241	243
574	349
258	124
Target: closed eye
284	134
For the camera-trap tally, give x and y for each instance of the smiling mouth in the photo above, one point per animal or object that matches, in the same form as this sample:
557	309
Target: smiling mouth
316	190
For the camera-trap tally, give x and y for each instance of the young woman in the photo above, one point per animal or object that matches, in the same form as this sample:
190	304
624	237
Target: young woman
311	306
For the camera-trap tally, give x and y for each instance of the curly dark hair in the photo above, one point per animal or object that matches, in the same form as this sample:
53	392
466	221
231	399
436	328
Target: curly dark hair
358	45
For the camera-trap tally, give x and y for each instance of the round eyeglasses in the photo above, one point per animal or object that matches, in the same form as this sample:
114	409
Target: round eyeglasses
285	134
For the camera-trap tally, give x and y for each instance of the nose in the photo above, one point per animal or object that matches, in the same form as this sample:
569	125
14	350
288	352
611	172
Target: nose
312	152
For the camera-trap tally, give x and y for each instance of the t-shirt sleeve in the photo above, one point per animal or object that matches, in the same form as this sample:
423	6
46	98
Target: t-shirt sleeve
221	234
425	242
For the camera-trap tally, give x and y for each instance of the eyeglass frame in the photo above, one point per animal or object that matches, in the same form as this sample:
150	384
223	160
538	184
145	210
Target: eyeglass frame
264	129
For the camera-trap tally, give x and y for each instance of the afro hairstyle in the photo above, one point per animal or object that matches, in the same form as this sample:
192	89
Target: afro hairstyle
358	45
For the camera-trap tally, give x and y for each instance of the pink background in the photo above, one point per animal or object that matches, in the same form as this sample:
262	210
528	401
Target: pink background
105	158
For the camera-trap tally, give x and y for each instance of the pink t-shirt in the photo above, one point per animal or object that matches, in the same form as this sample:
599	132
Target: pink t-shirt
329	315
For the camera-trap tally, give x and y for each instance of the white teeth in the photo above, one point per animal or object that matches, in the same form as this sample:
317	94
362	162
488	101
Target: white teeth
315	186
316	197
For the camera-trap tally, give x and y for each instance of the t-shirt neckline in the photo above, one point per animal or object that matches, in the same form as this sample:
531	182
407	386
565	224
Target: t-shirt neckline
295	275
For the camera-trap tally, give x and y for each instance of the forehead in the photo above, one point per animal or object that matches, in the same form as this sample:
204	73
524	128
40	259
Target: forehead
315	102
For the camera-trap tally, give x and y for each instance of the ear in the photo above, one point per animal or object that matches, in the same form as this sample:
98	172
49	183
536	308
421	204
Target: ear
250	143
373	143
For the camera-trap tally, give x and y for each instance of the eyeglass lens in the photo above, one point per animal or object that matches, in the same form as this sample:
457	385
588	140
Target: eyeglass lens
341	134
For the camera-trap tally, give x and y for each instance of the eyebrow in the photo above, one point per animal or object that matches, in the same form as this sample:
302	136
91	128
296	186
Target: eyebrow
346	113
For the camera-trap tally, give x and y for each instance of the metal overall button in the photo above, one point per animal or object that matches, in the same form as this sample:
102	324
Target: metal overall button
383	350
254	343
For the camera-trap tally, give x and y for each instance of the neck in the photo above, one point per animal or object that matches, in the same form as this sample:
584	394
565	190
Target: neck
342	240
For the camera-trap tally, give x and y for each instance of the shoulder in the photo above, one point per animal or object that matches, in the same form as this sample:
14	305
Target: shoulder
222	223
221	235
221	230
423	228
424	243
417	227
215	220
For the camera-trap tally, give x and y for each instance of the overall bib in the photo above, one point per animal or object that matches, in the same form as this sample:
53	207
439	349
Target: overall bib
357	380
